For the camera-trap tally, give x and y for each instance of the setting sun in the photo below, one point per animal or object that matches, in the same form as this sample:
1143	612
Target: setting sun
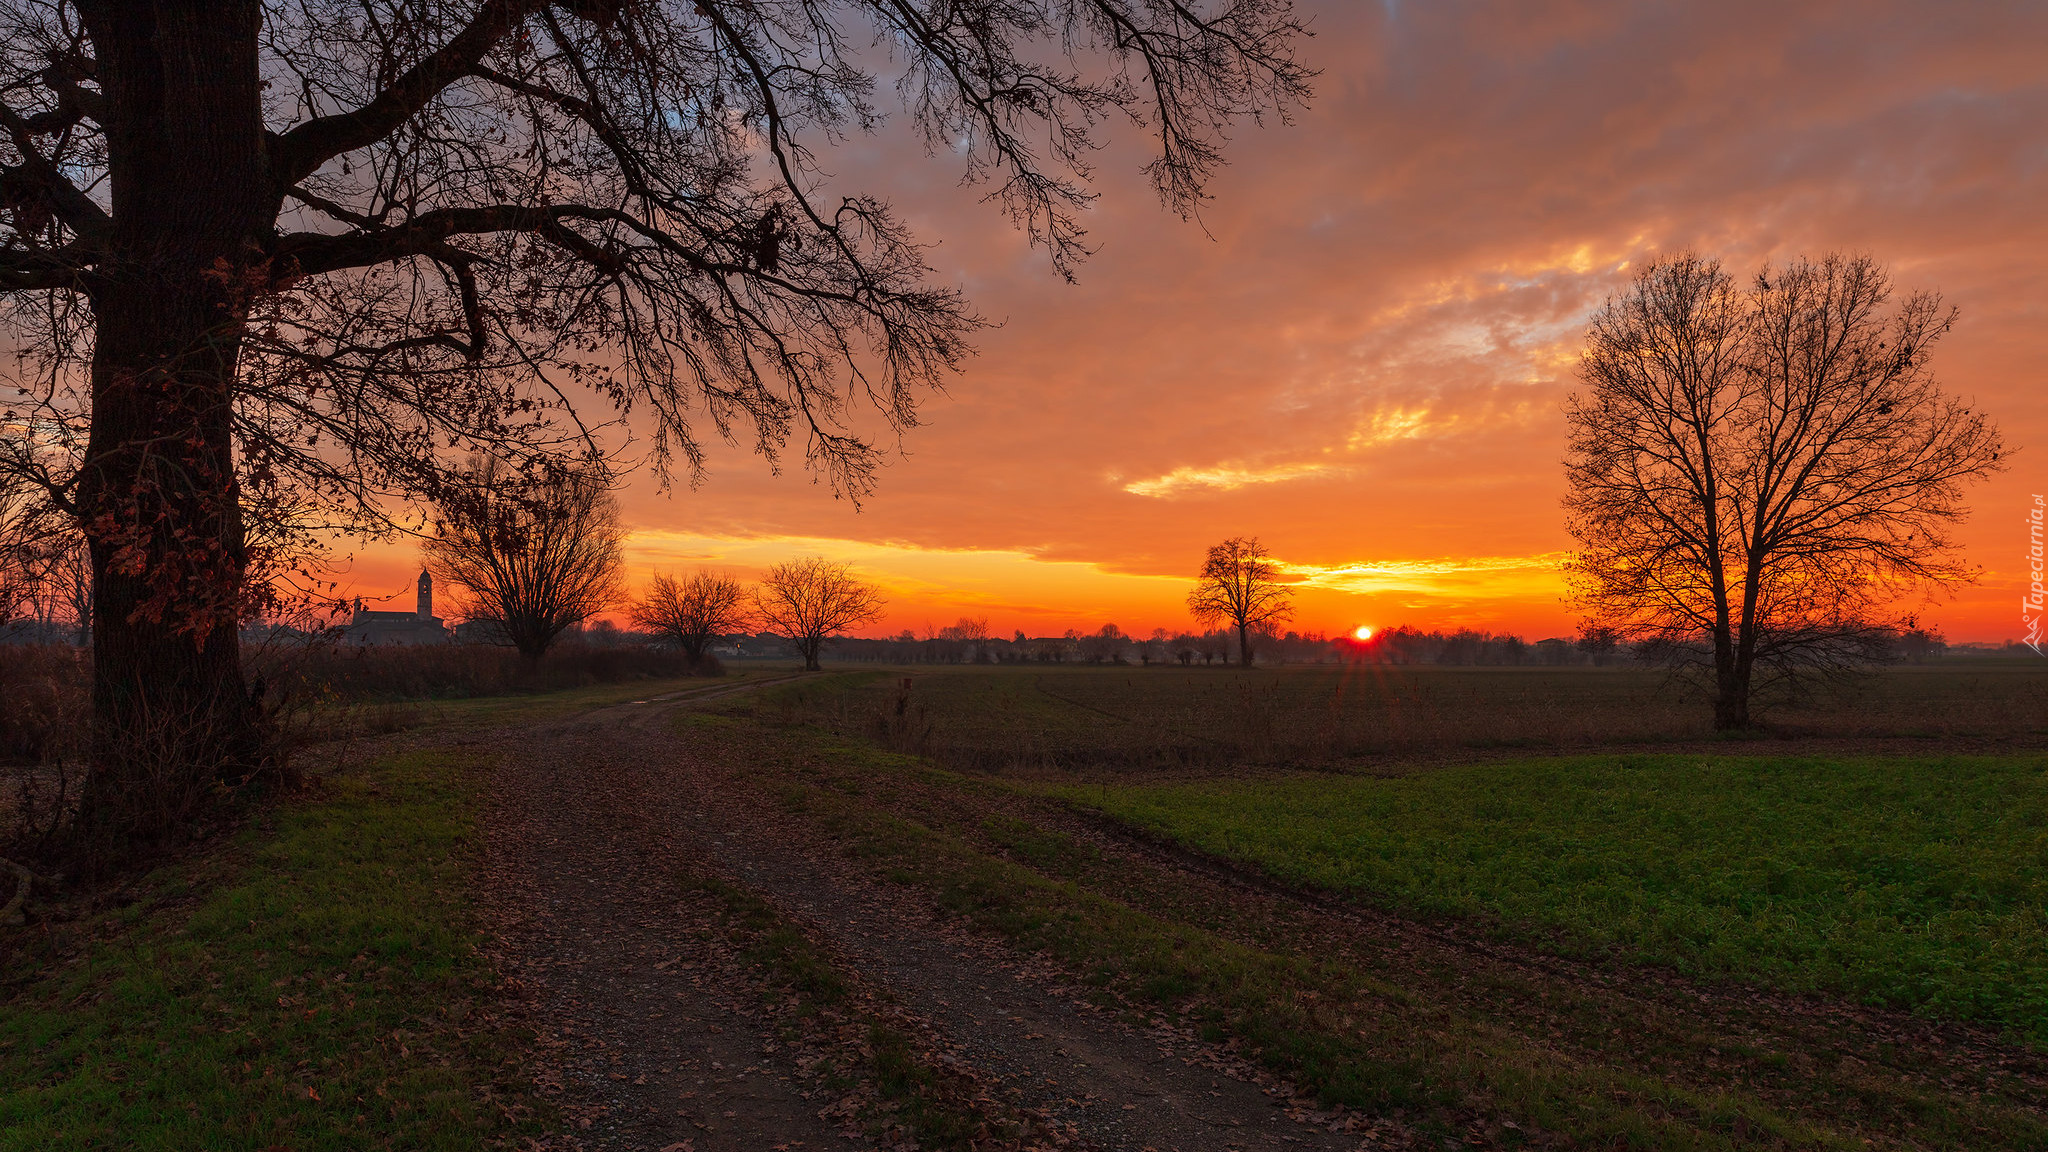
1364	632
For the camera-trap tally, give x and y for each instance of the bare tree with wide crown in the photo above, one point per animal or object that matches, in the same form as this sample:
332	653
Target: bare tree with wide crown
276	262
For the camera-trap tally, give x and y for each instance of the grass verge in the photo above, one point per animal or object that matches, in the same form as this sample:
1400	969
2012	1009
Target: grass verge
314	985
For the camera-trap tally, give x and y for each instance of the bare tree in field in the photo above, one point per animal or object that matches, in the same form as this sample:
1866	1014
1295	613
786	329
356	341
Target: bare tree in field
314	252
1599	642
1757	476
67	580
971	634
532	556
811	598
17	548
1241	585
694	612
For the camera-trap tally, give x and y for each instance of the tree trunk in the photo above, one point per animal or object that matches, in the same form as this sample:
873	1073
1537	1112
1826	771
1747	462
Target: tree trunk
532	641
1731	699
158	496
1244	646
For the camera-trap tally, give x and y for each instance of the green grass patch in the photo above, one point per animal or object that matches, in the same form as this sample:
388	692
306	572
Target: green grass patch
315	985
1913	882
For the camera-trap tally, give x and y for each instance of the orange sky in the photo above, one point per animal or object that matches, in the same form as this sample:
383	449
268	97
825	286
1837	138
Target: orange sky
1360	353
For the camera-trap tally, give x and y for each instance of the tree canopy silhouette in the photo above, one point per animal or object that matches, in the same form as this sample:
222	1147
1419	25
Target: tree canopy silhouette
1759	476
533	556
299	254
693	612
1240	584
808	599
18	540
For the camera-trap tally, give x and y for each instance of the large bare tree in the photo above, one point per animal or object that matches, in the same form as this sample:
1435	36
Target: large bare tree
533	556
1240	585
810	599
322	246
695	611
1759	477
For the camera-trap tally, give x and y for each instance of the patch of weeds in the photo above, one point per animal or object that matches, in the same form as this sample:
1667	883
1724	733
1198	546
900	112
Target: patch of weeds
317	985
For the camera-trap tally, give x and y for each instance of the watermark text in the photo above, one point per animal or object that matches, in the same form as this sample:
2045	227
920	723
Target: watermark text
2031	608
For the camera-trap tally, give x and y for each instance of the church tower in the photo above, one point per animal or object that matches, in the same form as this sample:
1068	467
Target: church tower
426	596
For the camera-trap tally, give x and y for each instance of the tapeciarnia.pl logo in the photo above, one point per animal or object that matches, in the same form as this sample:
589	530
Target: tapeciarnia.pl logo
2030	608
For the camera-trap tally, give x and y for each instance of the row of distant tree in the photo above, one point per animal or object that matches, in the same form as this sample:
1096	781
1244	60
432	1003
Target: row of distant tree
968	641
532	563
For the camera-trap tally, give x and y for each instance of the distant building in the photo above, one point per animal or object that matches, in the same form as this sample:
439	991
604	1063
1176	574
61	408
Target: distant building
417	627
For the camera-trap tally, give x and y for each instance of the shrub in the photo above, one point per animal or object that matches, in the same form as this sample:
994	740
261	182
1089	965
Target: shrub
43	693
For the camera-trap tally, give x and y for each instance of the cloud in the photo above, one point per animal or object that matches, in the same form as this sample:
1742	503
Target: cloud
1380	429
1226	477
1450	577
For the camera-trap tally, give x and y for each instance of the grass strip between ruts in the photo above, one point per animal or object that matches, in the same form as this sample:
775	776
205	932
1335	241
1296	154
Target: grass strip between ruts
909	1097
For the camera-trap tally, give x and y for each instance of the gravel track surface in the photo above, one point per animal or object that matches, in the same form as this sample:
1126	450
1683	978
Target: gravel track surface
659	1042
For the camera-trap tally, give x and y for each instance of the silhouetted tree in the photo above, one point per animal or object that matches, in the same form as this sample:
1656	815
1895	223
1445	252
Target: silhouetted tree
18	545
1917	644
299	251
695	612
1757	475
1599	642
1103	645
1153	647
1240	584
533	556
58	569
808	599
969	636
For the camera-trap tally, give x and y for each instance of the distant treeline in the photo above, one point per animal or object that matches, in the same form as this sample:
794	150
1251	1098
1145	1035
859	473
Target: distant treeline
968	642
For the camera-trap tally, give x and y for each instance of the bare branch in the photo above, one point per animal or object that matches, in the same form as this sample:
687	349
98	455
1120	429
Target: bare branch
300	152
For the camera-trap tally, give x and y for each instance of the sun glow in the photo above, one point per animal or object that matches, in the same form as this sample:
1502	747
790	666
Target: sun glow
1364	632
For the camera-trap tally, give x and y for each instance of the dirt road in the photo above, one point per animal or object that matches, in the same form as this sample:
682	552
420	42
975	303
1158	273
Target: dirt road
600	829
